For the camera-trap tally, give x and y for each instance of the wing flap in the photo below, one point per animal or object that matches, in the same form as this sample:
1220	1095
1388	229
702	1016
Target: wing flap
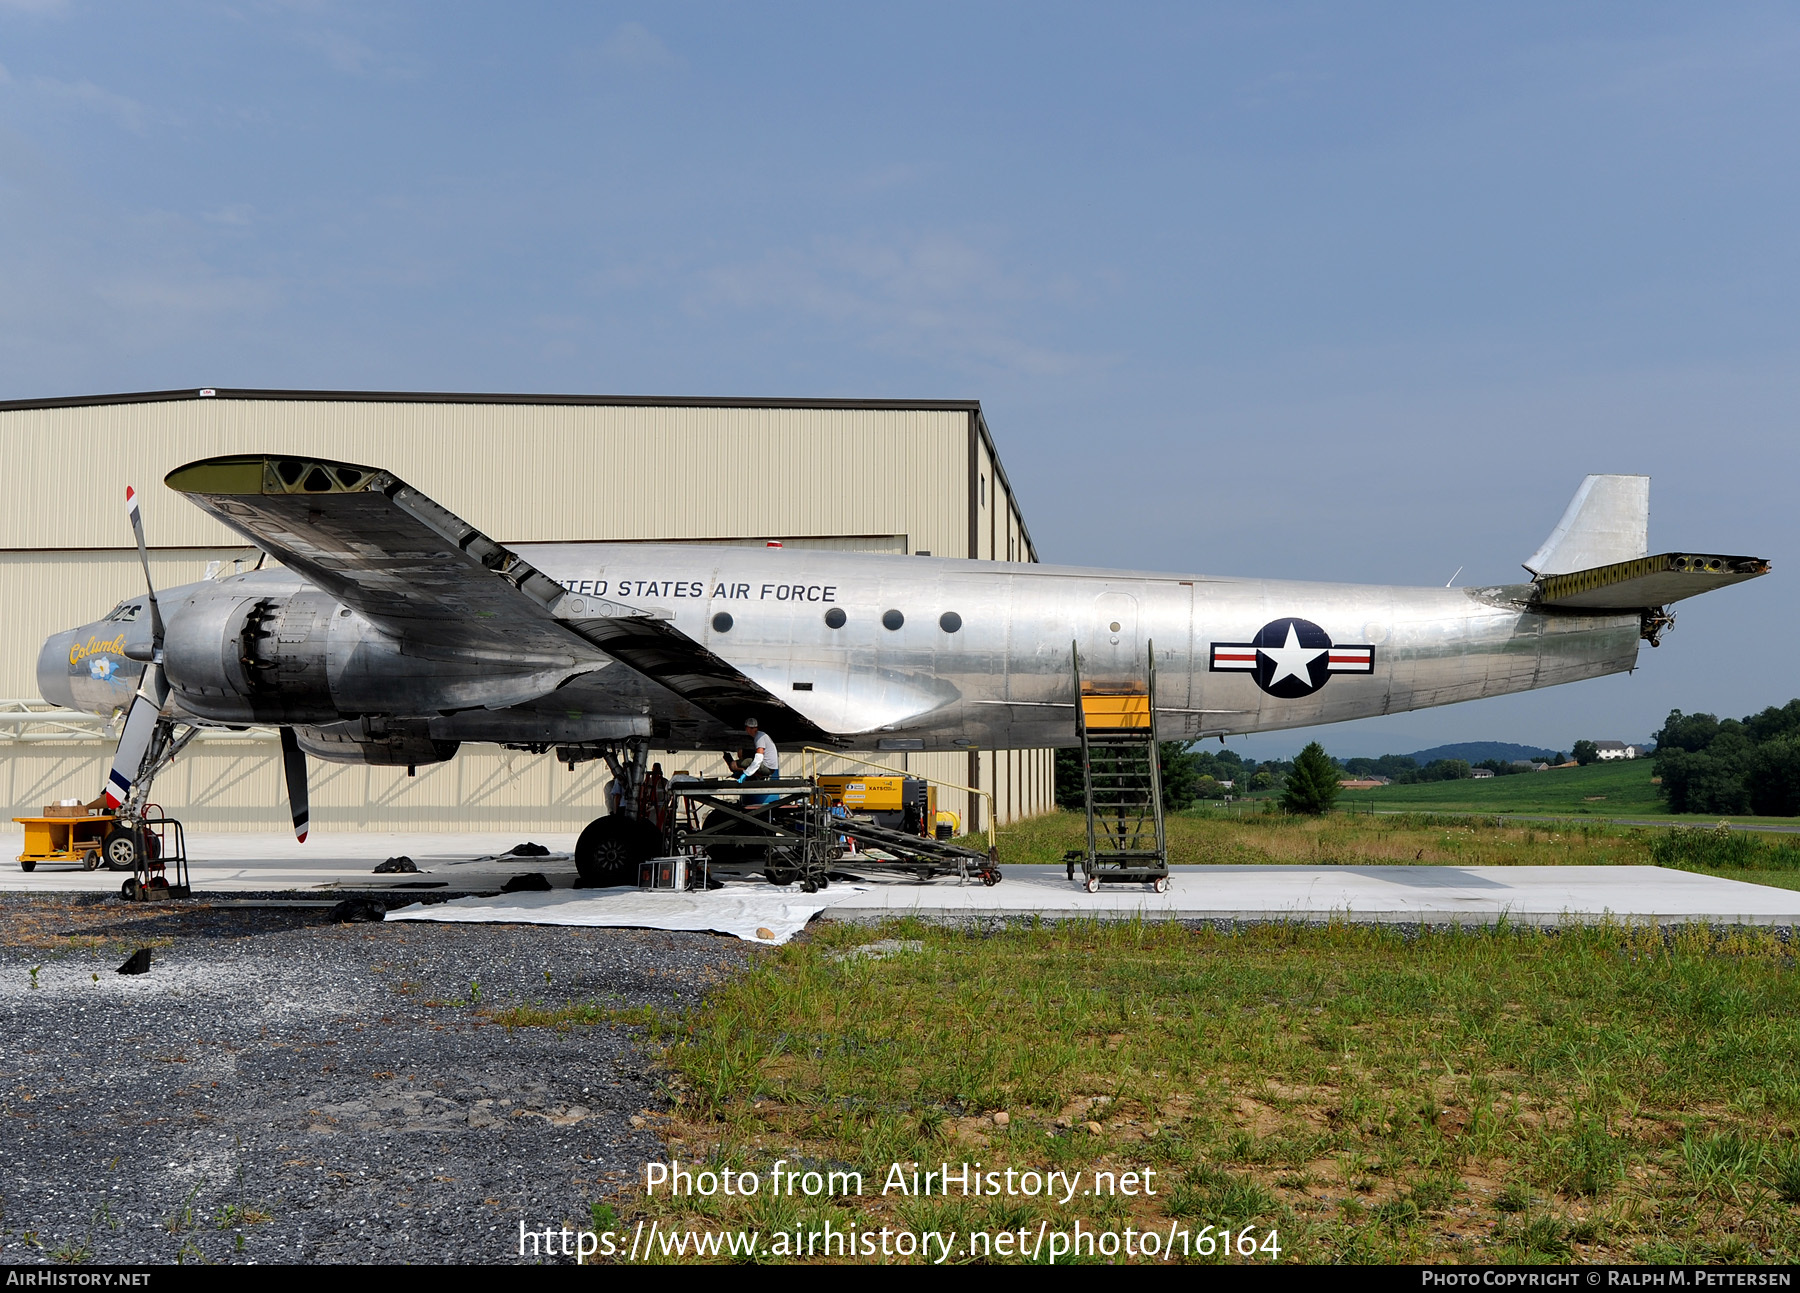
668	656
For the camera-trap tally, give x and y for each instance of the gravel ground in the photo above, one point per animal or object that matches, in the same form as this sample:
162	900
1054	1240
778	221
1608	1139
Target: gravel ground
283	1088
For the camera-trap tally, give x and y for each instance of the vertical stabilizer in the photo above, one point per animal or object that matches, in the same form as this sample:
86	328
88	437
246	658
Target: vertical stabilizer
1607	521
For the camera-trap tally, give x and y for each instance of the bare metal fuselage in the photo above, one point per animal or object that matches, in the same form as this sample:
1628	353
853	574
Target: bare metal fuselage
1000	678
1003	678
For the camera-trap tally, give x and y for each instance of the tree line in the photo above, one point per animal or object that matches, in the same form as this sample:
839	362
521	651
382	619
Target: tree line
1749	765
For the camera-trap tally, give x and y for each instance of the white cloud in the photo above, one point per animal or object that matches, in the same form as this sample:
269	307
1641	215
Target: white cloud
934	296
635	45
237	215
344	53
198	297
125	112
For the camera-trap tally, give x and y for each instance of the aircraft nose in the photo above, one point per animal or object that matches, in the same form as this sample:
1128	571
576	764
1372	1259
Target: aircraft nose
53	670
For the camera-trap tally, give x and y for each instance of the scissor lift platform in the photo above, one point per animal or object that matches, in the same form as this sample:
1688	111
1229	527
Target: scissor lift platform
778	826
788	831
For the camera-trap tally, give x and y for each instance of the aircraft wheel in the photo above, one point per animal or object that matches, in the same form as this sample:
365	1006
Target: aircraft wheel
611	848
122	849
781	874
1092	884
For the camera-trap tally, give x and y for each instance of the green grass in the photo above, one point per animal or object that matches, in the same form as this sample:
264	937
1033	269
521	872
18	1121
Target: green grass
1505	1096
1621	789
1603	790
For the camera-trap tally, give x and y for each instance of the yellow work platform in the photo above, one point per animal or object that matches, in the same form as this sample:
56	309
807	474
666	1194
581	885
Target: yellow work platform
63	839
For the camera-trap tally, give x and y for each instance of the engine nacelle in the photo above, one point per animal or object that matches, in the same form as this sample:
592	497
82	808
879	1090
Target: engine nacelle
372	746
234	657
265	649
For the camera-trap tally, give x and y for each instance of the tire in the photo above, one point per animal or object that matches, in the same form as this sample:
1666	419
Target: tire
991	876
129	890
28	866
781	874
122	849
1160	884
610	849
1092	884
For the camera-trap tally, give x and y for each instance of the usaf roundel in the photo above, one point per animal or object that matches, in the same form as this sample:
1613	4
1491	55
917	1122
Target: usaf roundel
1291	658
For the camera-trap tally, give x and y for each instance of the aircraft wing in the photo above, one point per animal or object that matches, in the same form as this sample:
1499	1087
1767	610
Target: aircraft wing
425	575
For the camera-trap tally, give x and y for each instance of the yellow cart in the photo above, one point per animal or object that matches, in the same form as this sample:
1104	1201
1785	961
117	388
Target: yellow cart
64	839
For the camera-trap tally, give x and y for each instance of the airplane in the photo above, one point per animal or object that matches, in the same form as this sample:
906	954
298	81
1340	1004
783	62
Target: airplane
393	630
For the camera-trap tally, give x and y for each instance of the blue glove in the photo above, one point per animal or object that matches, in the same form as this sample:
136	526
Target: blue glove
743	777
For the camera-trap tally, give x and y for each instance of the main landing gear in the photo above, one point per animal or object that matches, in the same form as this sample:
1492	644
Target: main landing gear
612	848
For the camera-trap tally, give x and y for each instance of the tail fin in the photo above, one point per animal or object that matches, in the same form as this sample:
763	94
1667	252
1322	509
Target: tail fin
1597	558
1608	521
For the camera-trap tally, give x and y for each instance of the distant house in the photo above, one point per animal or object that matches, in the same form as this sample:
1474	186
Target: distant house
1479	773
1610	750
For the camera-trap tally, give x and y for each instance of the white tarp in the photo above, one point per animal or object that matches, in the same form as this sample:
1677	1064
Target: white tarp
748	911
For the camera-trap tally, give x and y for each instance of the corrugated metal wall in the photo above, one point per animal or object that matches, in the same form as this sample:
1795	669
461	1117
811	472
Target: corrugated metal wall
885	480
520	472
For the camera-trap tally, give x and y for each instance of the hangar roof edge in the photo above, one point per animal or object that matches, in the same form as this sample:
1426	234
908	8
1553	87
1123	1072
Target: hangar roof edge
465	397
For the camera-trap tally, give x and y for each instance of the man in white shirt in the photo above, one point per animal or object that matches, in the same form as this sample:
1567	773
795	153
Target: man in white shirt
765	758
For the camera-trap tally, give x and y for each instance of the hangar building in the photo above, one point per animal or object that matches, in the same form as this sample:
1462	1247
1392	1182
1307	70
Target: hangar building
890	476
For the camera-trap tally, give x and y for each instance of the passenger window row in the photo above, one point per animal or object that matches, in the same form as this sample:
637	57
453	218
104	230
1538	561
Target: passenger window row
949	621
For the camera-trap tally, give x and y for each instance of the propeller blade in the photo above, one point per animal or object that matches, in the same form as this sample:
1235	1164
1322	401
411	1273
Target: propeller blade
293	764
134	740
137	528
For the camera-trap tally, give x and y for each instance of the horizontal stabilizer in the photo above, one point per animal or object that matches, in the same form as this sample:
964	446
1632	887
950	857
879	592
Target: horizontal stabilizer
1645	582
1608	521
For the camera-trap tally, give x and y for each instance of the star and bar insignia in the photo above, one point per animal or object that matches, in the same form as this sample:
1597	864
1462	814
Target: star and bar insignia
1290	658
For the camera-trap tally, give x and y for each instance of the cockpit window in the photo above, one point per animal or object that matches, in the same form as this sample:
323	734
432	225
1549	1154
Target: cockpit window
125	611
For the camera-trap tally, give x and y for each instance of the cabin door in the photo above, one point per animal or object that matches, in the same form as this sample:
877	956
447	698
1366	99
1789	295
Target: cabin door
1112	650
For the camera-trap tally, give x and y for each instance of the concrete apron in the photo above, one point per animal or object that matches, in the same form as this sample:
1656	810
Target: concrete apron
224	864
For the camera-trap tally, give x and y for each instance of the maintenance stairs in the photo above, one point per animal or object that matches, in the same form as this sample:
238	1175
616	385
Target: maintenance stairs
1122	785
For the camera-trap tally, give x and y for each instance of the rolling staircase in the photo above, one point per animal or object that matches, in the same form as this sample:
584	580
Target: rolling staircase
1122	785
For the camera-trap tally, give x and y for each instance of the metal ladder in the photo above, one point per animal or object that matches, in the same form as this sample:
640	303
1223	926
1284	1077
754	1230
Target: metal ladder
1121	772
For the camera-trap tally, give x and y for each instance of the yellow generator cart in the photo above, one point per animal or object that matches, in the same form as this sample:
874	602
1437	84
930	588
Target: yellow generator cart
900	803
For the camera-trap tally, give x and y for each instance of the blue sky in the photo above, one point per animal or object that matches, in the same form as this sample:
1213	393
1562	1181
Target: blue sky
1321	291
